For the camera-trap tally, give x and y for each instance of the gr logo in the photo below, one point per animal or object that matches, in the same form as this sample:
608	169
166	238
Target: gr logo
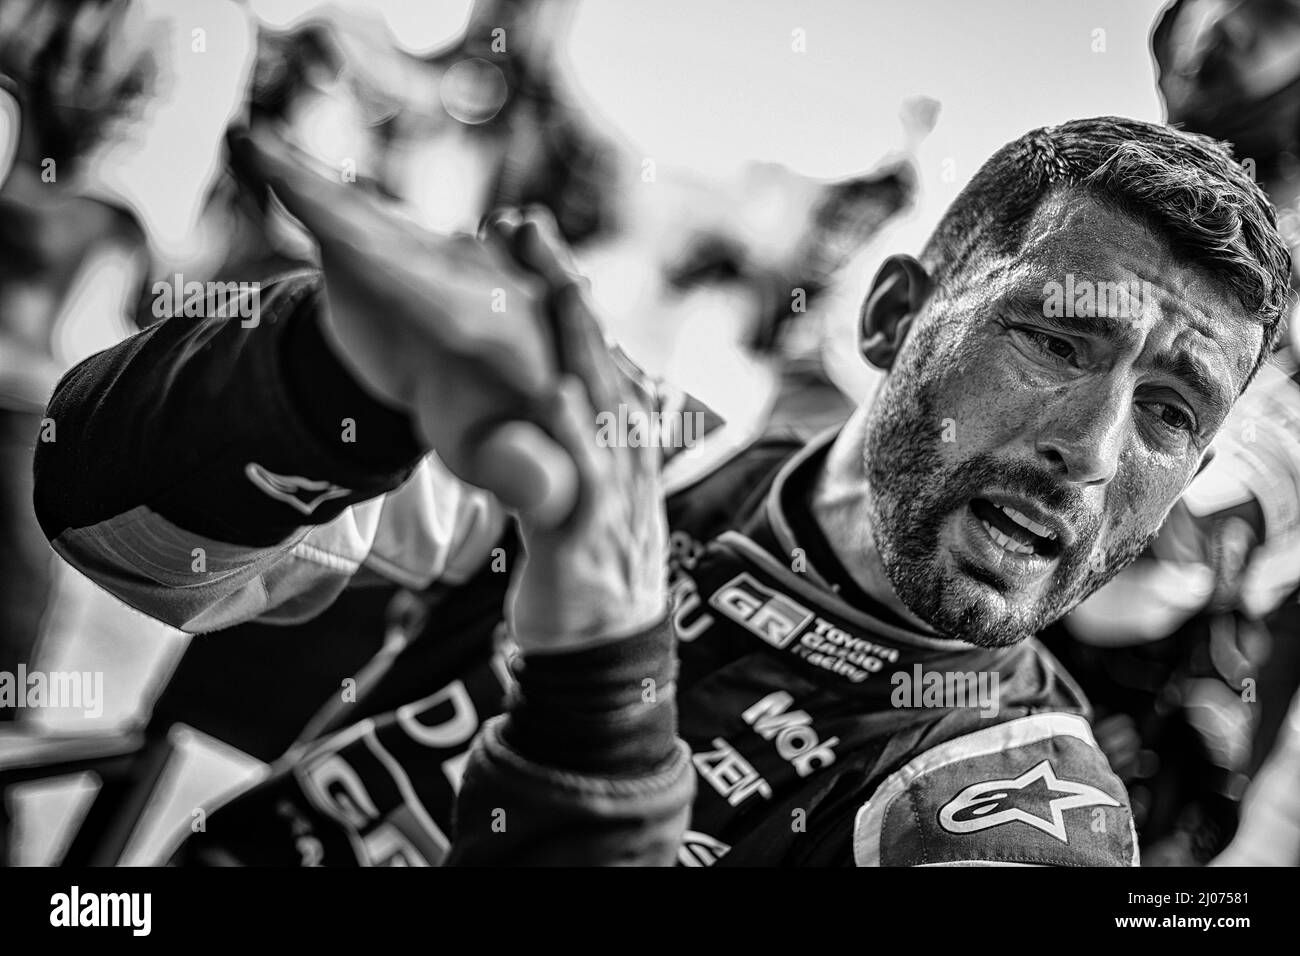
772	616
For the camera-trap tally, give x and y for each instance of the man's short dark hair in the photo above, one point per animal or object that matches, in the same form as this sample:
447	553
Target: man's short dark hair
1186	187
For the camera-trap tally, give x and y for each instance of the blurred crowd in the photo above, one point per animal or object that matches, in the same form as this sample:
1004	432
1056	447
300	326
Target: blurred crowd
1189	658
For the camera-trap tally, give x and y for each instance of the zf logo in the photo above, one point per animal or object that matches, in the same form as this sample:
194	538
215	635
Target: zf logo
772	616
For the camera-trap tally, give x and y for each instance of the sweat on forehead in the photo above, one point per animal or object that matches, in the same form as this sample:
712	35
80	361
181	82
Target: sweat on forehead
1073	233
1074	240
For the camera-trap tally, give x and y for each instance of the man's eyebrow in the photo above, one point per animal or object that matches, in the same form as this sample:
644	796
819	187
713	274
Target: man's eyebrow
1197	376
1110	331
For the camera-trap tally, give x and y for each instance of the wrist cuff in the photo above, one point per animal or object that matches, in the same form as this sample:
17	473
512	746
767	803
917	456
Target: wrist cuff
606	710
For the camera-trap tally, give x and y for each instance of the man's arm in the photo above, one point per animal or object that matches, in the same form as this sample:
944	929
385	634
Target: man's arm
214	470
246	462
585	768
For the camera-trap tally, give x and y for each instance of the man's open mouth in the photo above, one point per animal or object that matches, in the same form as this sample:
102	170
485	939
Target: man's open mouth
1014	531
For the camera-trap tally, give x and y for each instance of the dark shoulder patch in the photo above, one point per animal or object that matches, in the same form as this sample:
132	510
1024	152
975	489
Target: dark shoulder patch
1035	791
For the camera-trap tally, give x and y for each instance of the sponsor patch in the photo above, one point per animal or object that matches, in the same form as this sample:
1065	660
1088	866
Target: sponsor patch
1037	798
726	770
785	623
1035	791
772	616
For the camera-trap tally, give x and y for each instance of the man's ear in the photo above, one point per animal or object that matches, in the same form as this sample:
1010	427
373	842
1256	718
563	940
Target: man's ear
897	296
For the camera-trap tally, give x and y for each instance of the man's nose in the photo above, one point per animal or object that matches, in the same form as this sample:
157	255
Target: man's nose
1082	434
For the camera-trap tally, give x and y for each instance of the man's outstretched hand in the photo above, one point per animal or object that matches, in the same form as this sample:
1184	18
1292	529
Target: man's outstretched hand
508	397
449	330
601	574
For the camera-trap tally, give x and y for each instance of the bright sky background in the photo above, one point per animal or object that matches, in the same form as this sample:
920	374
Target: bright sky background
711	83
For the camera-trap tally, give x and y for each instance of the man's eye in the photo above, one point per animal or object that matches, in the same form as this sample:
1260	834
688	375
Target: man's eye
1173	417
1050	344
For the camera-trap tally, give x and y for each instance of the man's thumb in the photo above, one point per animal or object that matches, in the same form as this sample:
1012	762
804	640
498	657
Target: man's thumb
528	472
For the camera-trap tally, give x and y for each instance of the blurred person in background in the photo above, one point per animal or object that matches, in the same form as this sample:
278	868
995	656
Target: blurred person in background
72	263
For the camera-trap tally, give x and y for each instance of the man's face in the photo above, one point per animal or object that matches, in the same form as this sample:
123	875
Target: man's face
1030	440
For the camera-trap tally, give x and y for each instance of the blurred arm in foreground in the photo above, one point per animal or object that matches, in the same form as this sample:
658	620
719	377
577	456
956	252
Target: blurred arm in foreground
1269	834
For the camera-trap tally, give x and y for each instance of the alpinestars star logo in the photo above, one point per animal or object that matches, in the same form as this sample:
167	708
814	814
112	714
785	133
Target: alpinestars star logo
305	494
1037	797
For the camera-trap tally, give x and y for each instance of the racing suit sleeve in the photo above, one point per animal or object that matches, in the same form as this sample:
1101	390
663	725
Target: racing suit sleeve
1033	791
585	767
222	466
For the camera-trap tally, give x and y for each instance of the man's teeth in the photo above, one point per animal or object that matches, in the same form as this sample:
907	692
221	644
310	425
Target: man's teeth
1006	541
1027	522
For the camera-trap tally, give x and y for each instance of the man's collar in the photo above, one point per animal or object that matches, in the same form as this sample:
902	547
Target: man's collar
772	528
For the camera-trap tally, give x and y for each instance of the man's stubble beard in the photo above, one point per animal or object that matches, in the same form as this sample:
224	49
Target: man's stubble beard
911	495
